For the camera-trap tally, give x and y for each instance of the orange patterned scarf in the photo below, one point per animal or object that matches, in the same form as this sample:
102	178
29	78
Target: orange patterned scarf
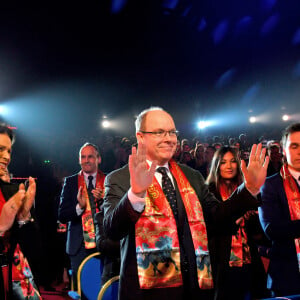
240	251
87	216
157	244
22	280
293	197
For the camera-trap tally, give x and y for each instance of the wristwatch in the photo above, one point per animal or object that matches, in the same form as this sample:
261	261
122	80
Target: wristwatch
23	222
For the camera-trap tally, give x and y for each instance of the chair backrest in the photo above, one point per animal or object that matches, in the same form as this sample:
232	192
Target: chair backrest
109	290
89	276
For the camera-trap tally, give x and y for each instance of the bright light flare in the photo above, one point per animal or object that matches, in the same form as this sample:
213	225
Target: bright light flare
285	117
106	124
2	109
252	119
203	124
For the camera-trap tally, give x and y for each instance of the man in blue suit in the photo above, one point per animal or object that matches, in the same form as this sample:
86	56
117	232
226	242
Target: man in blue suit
81	198
280	218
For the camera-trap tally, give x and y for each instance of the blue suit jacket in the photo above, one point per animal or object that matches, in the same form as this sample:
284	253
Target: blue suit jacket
283	273
67	214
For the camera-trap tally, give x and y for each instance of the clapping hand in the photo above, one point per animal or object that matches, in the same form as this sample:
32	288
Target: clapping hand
81	200
256	171
24	212
10	210
98	193
140	175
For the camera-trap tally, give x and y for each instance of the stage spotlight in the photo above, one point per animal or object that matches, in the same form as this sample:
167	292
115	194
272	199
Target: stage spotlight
285	118
105	124
2	109
252	119
202	124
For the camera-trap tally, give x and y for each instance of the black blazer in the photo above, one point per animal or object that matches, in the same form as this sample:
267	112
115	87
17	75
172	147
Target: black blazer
274	214
120	219
109	249
221	241
67	214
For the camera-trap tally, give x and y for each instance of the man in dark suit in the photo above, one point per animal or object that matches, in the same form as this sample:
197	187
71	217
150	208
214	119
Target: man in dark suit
81	198
162	212
280	218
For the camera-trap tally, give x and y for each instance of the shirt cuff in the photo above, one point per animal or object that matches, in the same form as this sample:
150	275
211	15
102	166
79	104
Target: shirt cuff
79	210
137	203
253	194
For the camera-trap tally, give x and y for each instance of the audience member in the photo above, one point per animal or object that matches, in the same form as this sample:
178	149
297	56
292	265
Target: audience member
177	153
163	213
81	198
274	153
18	232
208	156
199	157
280	218
243	141
239	273
187	159
185	145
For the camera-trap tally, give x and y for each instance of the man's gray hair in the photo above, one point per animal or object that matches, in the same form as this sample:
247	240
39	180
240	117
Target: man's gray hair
91	145
140	120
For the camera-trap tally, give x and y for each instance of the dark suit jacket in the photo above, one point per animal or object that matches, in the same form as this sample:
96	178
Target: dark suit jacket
283	273
67	214
120	219
109	249
222	243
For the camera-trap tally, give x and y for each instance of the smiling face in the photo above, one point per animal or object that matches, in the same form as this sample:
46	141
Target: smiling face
89	159
228	166
160	149
5	153
291	150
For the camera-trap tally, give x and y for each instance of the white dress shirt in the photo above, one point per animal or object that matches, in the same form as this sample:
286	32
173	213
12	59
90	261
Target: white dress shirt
138	203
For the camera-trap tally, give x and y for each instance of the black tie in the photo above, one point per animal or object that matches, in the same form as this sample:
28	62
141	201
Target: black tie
90	185
168	190
91	197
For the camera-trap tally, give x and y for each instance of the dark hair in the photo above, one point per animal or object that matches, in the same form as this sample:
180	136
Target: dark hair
214	173
4	129
290	129
92	145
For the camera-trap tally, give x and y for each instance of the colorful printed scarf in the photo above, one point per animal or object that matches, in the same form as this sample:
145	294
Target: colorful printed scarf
293	197
87	216
240	251
22	280
157	244
23	286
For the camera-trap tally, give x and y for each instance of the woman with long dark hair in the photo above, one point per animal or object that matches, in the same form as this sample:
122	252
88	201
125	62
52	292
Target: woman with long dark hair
238	272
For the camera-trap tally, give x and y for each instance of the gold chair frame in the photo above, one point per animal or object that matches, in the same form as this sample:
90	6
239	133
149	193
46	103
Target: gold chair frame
106	285
80	268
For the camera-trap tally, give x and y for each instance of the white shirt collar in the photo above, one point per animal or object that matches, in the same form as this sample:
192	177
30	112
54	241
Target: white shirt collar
166	165
86	176
295	174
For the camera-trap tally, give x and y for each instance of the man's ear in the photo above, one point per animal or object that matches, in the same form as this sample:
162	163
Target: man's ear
283	152
139	137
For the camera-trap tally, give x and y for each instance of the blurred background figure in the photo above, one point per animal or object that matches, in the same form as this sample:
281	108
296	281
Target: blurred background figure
274	152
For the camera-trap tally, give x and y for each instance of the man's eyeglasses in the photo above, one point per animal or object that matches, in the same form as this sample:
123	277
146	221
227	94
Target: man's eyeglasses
162	133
